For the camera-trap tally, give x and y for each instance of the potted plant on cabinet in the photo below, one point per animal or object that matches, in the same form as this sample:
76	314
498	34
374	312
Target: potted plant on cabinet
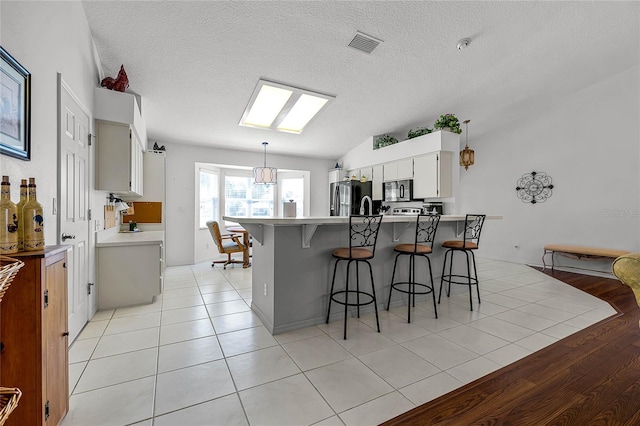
384	140
448	122
418	132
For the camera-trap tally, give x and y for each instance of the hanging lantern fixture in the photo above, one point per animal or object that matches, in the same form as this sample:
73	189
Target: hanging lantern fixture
265	175
466	155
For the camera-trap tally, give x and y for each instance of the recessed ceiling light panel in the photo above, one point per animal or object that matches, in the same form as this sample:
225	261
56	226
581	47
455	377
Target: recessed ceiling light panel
281	107
266	106
305	108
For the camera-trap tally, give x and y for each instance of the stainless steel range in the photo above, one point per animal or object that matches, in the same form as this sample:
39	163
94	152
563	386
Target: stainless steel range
407	211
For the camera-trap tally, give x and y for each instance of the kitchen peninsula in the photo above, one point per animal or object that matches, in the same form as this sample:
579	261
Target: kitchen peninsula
292	263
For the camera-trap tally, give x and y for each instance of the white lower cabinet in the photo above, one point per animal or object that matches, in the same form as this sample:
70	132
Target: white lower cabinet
432	175
129	275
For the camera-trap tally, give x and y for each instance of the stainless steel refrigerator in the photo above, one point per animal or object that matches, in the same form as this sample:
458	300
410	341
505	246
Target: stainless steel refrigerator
345	197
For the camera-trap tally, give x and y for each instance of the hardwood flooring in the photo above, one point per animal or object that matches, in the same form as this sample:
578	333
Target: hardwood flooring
589	378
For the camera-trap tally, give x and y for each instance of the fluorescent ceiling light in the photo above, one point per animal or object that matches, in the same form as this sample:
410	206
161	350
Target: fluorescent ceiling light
267	106
302	112
284	108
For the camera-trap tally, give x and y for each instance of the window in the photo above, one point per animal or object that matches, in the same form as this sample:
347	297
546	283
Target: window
243	198
229	191
292	189
209	196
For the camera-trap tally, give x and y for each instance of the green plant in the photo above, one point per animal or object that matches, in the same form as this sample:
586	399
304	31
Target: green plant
419	131
384	140
450	121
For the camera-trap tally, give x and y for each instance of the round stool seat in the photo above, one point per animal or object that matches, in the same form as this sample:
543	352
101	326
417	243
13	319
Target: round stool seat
356	253
460	245
412	248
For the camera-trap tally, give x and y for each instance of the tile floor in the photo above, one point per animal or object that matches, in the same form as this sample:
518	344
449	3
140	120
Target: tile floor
199	356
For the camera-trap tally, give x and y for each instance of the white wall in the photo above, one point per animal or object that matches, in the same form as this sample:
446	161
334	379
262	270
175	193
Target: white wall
588	143
180	201
47	37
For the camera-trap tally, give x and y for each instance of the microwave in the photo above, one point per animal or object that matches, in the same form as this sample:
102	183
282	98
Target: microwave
398	190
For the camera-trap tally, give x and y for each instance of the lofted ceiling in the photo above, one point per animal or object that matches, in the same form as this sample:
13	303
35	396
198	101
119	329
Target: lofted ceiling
196	63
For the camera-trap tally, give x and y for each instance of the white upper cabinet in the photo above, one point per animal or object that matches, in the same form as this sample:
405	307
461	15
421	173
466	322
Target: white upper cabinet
405	169
376	181
365	172
398	170
119	159
390	171
335	175
121	140
432	175
120	107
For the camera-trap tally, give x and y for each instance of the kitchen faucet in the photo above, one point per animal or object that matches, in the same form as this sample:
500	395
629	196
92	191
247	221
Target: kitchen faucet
366	198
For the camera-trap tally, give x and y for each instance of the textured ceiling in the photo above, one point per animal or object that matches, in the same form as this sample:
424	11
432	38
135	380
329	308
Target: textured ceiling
195	64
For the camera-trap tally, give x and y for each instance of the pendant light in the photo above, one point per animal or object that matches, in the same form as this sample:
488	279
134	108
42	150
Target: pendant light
265	175
466	155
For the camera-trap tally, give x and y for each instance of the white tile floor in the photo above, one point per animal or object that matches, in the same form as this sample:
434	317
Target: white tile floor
199	356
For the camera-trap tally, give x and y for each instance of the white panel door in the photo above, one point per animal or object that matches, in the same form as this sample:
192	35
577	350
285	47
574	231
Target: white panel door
73	221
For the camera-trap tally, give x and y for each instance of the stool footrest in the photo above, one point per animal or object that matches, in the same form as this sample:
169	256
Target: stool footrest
449	279
346	299
429	289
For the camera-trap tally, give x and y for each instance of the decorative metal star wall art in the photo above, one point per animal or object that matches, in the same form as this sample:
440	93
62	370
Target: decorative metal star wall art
534	187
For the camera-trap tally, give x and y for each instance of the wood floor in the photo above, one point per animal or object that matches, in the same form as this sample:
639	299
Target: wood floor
589	378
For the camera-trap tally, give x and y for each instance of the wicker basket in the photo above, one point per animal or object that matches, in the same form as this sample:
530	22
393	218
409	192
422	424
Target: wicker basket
8	269
9	397
8	402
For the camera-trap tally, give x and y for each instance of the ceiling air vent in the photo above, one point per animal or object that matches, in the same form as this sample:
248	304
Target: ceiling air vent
364	42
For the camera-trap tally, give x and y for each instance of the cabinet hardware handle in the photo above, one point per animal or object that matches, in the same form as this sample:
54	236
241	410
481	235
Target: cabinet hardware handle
66	333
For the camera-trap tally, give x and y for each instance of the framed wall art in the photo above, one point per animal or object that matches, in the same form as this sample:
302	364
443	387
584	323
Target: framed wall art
15	108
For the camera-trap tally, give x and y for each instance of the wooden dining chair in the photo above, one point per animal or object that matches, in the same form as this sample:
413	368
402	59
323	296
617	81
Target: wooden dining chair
228	244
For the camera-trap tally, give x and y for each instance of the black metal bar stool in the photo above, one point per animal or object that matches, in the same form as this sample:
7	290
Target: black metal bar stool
363	235
426	227
470	241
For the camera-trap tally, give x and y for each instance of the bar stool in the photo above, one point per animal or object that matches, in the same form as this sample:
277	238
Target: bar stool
426	227
470	241
363	235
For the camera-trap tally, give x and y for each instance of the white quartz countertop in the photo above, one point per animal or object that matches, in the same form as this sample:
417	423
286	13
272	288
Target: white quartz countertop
114	239
328	220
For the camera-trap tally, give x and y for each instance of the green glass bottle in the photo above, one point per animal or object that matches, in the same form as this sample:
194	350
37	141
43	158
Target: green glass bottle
23	200
33	218
8	220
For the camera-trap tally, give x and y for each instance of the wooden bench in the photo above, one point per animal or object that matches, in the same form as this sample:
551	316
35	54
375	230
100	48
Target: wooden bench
579	252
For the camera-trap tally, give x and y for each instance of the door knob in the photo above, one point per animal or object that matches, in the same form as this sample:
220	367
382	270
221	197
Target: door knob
68	237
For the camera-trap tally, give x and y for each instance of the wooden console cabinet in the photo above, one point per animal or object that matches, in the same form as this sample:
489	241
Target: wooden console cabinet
34	335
